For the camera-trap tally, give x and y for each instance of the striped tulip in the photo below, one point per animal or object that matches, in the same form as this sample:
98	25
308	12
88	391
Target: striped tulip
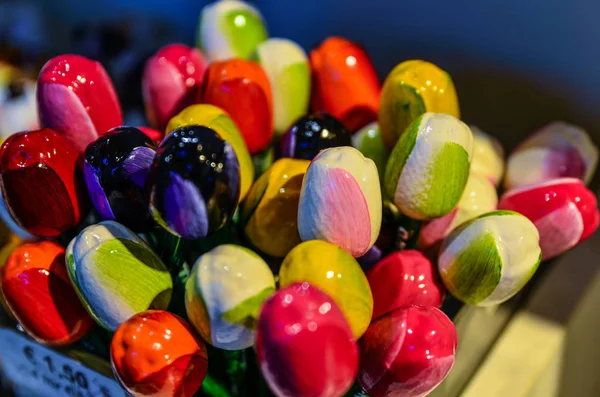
224	294
564	211
411	89
428	169
555	151
286	65
488	156
340	201
230	29
489	259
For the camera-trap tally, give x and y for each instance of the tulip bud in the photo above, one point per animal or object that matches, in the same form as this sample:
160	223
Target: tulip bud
488	156
412	88
171	82
304	345
42	167
116	274
340	200
153	134
563	210
555	151
230	29
155	353
77	99
487	260
368	141
224	293
334	271
38	291
408	352
429	166
345	83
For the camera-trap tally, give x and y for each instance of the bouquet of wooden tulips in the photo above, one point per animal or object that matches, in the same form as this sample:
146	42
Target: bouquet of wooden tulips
285	225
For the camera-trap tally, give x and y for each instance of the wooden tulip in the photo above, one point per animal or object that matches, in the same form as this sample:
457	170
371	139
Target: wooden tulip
487	260
334	271
115	168
230	29
304	345
563	210
345	83
429	166
38	292
408	352
171	82
555	151
340	201
218	120
313	133
194	182
270	212
412	88
404	278
153	134
42	183
77	99
242	89
368	141
115	273
488	157
155	353
224	294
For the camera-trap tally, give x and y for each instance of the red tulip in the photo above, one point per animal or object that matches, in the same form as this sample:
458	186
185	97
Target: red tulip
563	210
407	352
76	98
171	82
153	134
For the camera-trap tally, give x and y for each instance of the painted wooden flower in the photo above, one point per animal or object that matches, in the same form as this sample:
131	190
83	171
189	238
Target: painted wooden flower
340	200
171	82
38	292
488	156
287	68
428	169
407	352
242	89
224	293
345	83
42	167
304	344
487	260
115	168
230	29
155	353
478	198
116	274
8	221
368	141
155	135
270	212
194	182
413	277
556	150
313	133
77	99
334	271
218	120
564	211
411	89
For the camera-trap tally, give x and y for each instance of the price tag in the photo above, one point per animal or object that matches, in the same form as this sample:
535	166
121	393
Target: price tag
36	370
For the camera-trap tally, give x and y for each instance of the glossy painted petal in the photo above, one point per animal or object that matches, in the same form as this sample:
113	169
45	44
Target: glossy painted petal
488	260
555	151
345	83
224	294
334	271
304	344
408	352
153	134
171	82
429	166
340	201
564	211
156	353
488	156
368	141
77	99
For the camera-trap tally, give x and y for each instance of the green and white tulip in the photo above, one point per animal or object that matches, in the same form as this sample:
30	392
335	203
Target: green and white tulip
369	142
488	156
